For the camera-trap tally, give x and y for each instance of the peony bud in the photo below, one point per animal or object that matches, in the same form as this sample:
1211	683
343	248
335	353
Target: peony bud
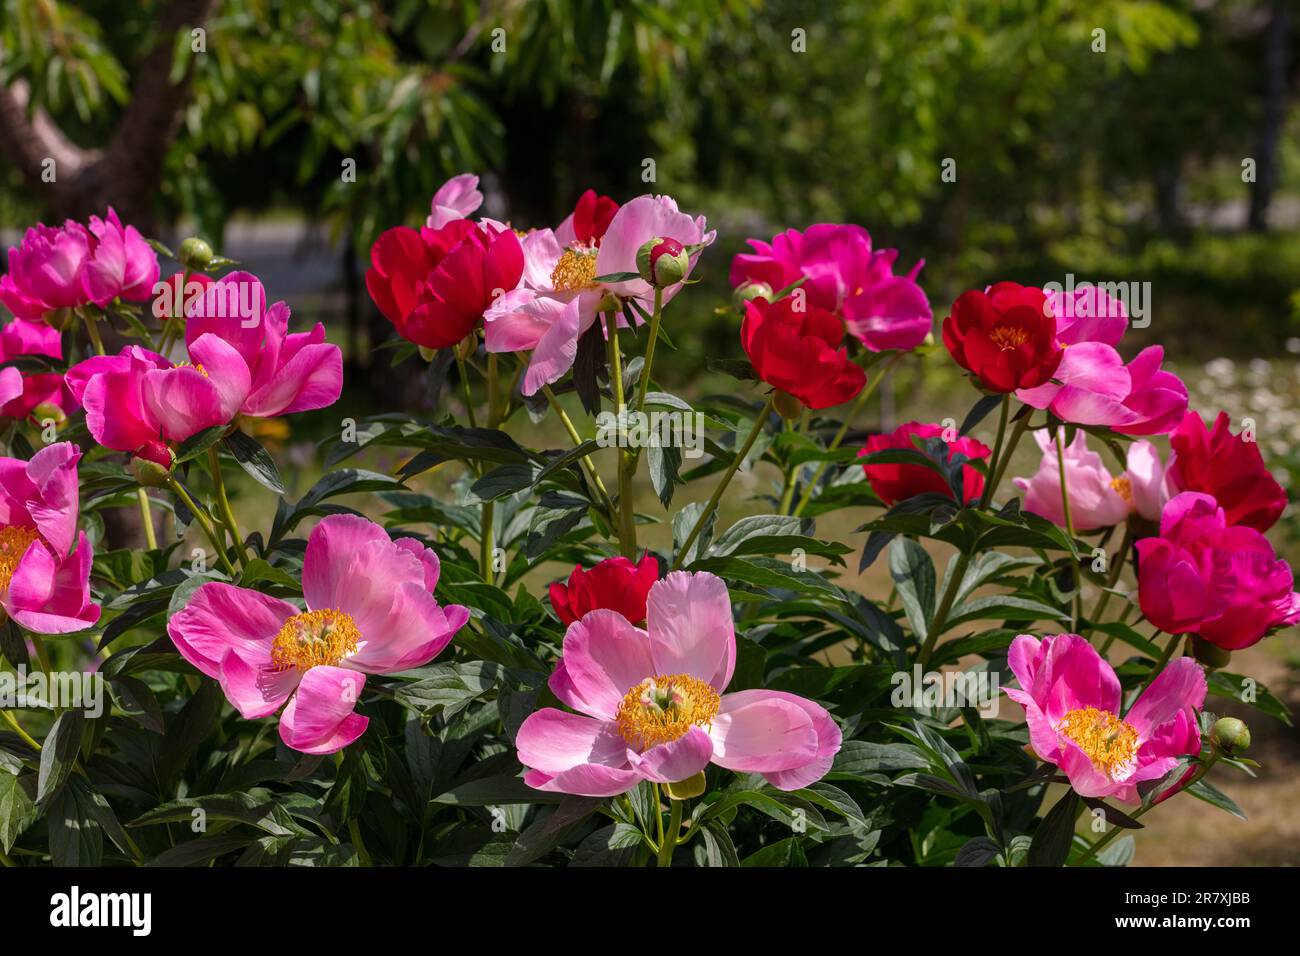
152	464
747	291
1230	735
50	412
195	253
686	789
663	262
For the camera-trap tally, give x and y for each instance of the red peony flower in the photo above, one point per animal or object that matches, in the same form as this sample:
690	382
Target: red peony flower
895	483
800	353
435	284
1005	337
1216	462
615	583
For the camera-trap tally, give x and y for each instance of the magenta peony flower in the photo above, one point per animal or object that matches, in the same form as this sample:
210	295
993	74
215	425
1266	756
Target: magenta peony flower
651	705
370	610
121	263
1097	500
1223	582
558	296
243	362
44	560
1092	385
21	394
1071	698
844	276
45	271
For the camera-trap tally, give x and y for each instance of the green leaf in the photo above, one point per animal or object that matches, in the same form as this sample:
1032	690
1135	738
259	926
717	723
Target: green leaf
913	574
17	808
1204	790
255	460
196	445
551	829
59	753
1055	834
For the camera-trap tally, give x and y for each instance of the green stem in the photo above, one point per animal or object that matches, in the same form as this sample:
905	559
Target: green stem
201	517
42	654
856	407
668	842
1004	459
12	721
626	462
1166	654
1069	526
659	816
93	331
464	385
576	438
487	537
1111	581
5	860
223	502
712	504
146	519
941	613
363	855
655	319
987	497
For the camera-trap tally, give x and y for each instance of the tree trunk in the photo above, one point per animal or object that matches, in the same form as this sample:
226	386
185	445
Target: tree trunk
1277	49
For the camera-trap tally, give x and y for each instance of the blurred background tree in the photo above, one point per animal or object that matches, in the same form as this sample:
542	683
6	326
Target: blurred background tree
1094	136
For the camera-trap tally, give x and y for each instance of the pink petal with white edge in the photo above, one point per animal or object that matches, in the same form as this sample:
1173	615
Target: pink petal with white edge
53	507
586	780
688	617
604	657
255	690
1181	685
557	349
553	741
415	633
760	731
320	718
330	549
675	760
220	618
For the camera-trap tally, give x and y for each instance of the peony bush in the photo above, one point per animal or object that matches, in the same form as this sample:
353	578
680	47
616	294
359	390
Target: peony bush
897	651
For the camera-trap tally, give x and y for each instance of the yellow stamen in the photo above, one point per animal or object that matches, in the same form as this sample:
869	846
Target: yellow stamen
14	542
315	639
576	270
1110	743
663	708
1124	488
1008	336
197	366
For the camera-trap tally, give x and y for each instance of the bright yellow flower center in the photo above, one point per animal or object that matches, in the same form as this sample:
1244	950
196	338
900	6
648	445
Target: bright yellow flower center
1110	743
14	542
1124	488
575	271
1008	336
314	639
197	366
663	708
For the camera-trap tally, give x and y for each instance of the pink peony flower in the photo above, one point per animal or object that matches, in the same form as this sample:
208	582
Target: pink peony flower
243	362
1223	582
1092	385
370	610
121	263
1071	698
558	297
45	270
20	394
457	198
1097	500
651	705
844	276
44	560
